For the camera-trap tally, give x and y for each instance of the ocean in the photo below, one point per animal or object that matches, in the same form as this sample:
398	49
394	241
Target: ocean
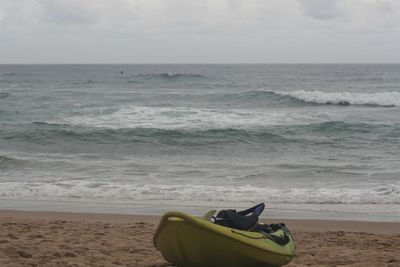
319	141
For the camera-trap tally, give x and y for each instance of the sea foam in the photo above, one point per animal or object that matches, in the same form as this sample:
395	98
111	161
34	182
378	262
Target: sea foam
191	118
194	193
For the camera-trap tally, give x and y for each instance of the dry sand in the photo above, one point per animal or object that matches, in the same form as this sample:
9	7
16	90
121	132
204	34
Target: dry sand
83	239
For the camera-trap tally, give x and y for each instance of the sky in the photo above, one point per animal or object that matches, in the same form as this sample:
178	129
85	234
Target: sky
199	31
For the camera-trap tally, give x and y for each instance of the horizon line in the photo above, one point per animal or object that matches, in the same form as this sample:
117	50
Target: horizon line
207	63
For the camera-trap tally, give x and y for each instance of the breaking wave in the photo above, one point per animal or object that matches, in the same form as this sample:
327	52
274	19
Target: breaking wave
191	118
385	99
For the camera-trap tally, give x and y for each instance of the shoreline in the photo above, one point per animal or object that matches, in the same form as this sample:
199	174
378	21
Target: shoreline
318	225
345	212
31	238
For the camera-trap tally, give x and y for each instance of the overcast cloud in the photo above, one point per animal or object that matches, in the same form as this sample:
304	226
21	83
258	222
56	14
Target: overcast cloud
199	31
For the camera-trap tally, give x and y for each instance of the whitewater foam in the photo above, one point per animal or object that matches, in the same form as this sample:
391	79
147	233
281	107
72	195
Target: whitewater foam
192	118
119	192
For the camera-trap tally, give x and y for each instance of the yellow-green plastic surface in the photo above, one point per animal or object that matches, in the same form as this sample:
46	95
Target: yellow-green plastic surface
188	241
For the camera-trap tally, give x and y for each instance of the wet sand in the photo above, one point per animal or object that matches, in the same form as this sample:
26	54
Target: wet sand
85	239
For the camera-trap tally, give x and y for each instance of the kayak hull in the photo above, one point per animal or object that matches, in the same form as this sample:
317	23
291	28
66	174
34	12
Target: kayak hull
188	241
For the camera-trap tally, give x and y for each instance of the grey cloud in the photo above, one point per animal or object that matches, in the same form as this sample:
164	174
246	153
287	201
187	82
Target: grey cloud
32	13
322	9
145	31
60	12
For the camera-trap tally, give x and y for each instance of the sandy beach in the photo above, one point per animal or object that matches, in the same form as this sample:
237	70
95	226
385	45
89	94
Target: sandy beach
85	239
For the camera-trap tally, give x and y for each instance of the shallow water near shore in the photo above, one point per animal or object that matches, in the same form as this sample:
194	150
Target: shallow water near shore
311	140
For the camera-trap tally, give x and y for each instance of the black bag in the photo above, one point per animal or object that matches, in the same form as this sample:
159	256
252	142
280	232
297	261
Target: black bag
242	220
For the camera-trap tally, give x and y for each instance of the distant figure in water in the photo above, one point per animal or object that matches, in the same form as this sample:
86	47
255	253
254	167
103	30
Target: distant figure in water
122	72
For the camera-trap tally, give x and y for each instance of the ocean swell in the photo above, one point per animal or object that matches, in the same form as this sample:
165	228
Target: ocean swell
55	133
10	163
49	133
166	75
4	94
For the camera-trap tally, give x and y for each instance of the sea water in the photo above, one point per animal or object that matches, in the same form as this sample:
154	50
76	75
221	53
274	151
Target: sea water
149	138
